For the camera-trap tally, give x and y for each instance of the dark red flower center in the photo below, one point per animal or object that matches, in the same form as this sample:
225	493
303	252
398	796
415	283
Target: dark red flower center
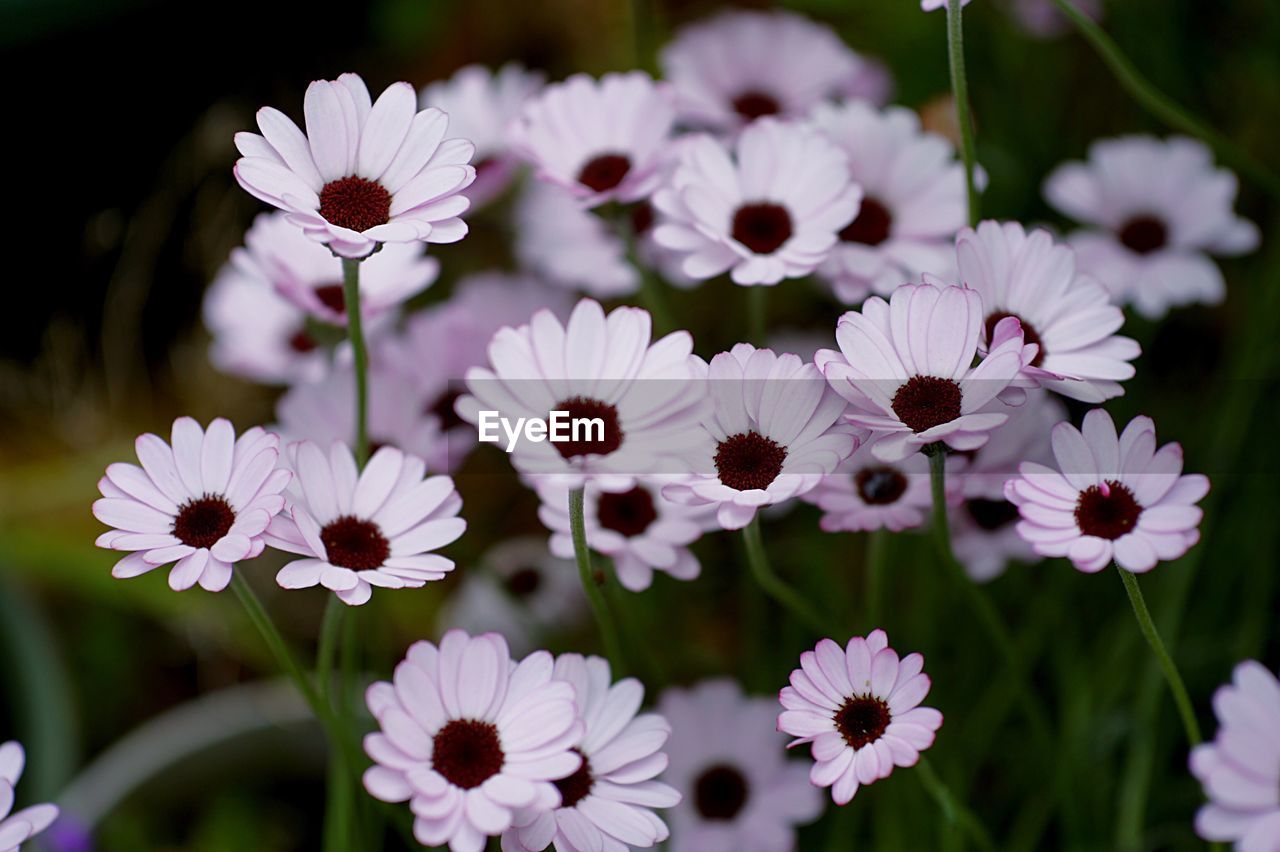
927	401
1029	333
302	342
588	416
1143	234
467	752
641	217
880	486
604	172
754	103
627	513
762	227
443	408
862	720
483	165
332	297
872	225
354	543
720	793
991	515
577	786
1108	510
523	582
203	521
355	203
749	460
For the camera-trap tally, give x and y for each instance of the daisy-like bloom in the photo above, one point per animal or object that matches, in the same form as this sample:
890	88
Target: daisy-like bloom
735	67
1240	769
363	528
1155	211
481	104
868	494
768	211
606	805
203	502
1109	497
740	793
906	367
860	709
601	140
469	737
647	396
569	246
773	433
364	173
636	526
17	828
913	200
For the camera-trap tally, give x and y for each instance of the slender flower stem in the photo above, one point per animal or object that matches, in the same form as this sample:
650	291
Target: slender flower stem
653	291
351	299
960	94
757	309
877	553
330	627
952	810
591	583
1148	627
775	587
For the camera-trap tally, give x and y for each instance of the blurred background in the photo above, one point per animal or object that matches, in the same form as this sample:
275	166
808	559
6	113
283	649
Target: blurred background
119	207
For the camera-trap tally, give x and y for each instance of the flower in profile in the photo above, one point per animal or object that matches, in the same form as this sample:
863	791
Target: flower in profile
364	173
1110	498
601	140
634	525
357	529
739	790
18	828
913	200
607	803
568	246
738	66
735	212
1043	18
773	433
645	397
468	737
481	104
203	501
866	493
931	5
859	708
906	368
1155	210
1240	769
1068	316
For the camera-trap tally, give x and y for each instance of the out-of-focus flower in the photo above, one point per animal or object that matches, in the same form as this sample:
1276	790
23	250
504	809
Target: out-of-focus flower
859	707
1156	209
17	828
202	501
1043	19
363	528
569	246
930	5
1109	497
364	173
868	494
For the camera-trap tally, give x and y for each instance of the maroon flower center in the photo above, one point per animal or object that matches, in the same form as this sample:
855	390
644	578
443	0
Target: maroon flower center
523	582
720	793
203	521
1143	234
927	401
628	513
991	515
467	752
443	409
880	486
604	172
1108	510
355	203
591	439
762	227
641	217
484	164
754	103
354	543
302	342
872	225
1029	333
749	460
332	297
862	720
577	786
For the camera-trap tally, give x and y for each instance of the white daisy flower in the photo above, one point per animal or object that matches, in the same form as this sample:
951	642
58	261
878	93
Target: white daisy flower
570	247
18	827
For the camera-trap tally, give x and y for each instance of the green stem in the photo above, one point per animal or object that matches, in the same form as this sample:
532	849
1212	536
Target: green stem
775	587
960	94
351	297
591	583
757	308
1148	627
653	291
877	555
952	810
326	652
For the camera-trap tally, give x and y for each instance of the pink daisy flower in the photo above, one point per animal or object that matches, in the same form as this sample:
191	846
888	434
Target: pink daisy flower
601	140
469	737
363	528
1109	497
985	539
740	793
1155	210
773	432
570	247
203	502
737	212
364	173
17	828
737	66
860	709
607	804
1240	769
868	494
481	104
1043	19
905	366
638	528
913	200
